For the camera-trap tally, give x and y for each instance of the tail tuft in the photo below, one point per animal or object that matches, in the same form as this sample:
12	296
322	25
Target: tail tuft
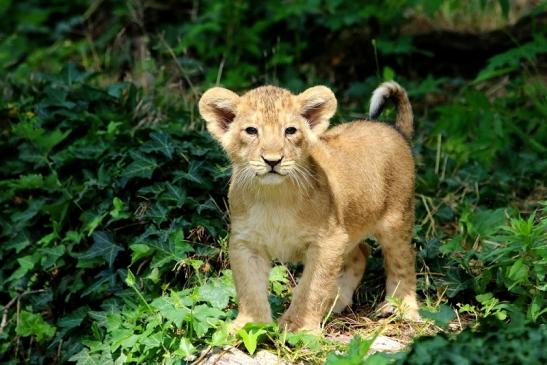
393	91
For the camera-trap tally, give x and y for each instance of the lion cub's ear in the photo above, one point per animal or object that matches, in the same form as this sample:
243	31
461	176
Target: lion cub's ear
318	105
218	107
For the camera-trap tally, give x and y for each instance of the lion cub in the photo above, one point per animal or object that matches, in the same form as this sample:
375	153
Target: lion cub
300	192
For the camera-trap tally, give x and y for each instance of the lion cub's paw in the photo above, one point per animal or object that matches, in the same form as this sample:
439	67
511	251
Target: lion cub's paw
291	323
242	320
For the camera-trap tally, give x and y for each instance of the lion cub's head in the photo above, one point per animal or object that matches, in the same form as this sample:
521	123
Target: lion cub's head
266	131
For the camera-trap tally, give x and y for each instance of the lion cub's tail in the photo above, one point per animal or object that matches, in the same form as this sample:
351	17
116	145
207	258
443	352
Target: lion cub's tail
394	91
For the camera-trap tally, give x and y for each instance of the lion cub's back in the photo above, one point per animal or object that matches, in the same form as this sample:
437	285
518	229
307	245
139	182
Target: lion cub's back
369	140
373	165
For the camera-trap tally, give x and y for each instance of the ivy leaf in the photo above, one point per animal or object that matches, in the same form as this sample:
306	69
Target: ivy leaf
49	140
204	318
357	350
30	181
172	247
250	335
103	246
160	142
186	349
174	193
174	314
73	319
441	317
193	173
104	278
141	166
26	263
31	324
217	292
140	250
85	358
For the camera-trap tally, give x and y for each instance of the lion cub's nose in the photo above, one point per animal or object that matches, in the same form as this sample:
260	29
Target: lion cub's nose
272	162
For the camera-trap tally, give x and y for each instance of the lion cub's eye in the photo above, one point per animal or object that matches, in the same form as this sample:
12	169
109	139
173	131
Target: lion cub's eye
251	130
290	130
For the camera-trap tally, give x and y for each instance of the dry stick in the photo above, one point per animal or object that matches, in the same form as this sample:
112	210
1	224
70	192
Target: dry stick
438	153
31	342
199	360
59	351
179	66
219	73
4	322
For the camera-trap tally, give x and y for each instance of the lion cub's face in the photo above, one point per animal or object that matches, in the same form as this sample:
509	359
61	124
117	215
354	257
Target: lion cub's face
266	131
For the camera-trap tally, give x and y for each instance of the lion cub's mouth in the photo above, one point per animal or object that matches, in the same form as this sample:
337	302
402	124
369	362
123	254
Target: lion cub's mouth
271	178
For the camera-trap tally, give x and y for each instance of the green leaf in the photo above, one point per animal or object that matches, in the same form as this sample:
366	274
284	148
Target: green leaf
303	339
486	222
73	319
217	292
171	247
505	7
122	337
357	350
92	220
441	317
160	142
250	338
186	349
221	336
103	246
141	166
29	181
518	272
48	140
168	310
119	211
26	263
130	279
84	357
174	193
31	324
28	129
152	341
389	74
140	250
204	318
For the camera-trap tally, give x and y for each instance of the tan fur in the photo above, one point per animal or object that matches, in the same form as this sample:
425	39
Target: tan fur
332	188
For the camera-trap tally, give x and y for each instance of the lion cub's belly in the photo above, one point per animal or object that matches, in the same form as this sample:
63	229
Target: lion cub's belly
277	230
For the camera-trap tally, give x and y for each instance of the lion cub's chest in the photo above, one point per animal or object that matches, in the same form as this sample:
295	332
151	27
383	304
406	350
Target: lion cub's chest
279	230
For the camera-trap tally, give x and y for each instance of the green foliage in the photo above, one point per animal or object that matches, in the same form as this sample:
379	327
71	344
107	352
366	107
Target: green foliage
509	262
78	211
518	342
355	355
31	324
524	55
441	316
251	335
515	343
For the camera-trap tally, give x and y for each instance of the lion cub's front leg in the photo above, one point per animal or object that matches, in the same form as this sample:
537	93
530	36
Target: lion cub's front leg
251	270
313	296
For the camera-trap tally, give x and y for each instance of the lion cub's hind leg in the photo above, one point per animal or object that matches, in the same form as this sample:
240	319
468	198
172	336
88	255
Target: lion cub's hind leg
394	235
354	267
